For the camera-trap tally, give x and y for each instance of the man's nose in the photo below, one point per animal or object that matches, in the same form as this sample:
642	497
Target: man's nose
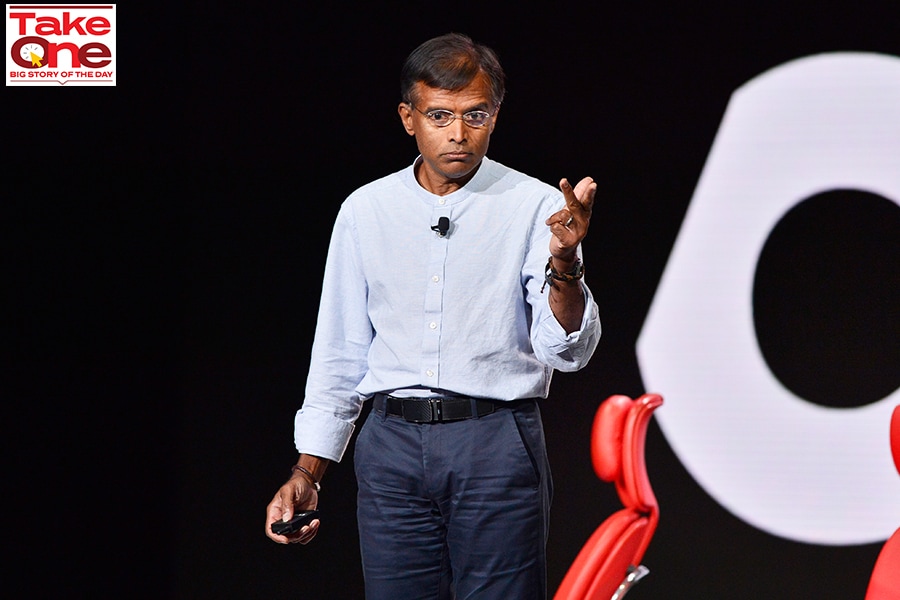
457	131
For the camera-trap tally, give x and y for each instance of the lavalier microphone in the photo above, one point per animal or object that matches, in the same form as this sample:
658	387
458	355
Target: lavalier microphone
442	227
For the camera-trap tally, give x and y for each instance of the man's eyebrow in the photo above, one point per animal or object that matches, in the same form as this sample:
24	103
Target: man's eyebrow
483	106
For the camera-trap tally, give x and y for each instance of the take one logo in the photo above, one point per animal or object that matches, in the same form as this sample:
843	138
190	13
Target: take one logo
54	44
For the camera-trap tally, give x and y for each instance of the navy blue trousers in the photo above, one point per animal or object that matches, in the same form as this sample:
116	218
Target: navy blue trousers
456	510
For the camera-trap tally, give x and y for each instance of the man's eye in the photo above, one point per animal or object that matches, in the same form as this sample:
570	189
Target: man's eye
440	116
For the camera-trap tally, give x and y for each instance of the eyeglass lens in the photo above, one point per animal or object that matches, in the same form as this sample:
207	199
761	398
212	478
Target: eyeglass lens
475	118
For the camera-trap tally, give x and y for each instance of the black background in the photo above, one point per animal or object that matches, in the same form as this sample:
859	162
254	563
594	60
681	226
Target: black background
166	240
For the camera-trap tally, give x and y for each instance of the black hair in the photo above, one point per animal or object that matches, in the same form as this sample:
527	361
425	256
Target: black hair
451	62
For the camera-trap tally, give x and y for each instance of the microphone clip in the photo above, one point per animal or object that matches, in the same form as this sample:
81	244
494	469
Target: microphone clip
442	227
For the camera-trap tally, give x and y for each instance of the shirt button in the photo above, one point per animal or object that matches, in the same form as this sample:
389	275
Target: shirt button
435	278
433	325
442	201
430	373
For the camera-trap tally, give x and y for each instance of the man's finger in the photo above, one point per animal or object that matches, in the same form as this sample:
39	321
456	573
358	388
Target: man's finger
569	194
585	191
564	217
582	197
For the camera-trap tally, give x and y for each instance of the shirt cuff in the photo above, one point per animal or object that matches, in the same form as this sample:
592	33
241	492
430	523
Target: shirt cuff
321	434
569	352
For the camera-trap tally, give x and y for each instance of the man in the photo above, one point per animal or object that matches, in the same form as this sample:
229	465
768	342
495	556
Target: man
440	304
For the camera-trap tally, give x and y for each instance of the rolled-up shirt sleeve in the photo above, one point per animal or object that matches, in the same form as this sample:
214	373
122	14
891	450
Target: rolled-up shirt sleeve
562	351
325	422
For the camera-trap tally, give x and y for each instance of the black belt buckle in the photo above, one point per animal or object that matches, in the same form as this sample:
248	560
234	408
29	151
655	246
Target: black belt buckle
422	410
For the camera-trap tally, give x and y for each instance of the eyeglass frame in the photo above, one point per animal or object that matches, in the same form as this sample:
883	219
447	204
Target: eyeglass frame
454	116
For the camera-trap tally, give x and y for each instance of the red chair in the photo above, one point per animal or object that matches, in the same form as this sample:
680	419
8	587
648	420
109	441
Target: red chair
884	584
609	563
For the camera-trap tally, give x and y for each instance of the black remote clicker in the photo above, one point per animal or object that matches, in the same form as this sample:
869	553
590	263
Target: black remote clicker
295	523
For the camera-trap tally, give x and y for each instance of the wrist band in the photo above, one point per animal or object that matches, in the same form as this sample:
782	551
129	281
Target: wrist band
551	275
307	475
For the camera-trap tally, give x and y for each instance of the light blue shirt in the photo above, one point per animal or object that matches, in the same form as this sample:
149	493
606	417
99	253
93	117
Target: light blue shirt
409	312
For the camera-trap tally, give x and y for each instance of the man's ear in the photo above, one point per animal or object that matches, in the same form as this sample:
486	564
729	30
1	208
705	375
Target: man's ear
406	117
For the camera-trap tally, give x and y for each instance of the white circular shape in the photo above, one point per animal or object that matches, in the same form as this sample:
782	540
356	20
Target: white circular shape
36	49
786	466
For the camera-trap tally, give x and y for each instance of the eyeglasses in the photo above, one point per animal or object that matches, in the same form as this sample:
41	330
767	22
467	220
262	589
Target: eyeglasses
442	118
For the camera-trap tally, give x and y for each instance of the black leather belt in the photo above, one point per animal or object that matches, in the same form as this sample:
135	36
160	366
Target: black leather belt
434	410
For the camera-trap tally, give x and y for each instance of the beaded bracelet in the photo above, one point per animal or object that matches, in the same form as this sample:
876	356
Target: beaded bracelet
307	475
